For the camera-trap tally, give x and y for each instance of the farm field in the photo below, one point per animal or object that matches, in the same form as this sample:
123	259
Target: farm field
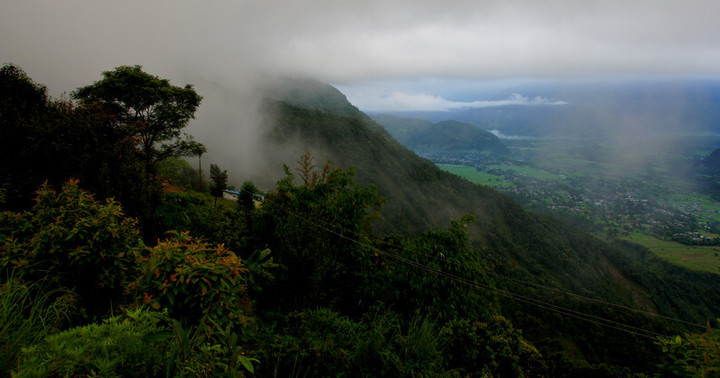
704	258
478	177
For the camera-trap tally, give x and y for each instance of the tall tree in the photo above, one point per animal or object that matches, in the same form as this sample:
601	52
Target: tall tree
151	108
47	140
219	178
22	103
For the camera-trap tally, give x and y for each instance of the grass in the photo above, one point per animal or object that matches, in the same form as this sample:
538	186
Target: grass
473	175
703	258
27	315
537	173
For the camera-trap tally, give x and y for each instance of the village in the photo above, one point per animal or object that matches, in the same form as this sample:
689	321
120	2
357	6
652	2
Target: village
606	206
616	207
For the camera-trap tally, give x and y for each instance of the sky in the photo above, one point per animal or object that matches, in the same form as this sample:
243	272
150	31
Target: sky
384	55
370	49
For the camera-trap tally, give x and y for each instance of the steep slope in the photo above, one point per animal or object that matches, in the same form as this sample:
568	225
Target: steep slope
446	136
530	254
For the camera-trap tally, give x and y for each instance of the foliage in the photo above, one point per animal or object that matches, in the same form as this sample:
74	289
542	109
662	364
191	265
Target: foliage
73	240
195	212
120	346
438	272
206	350
178	172
311	227
322	342
149	107
27	315
47	140
20	96
246	202
219	178
695	355
492	348
331	297
192	279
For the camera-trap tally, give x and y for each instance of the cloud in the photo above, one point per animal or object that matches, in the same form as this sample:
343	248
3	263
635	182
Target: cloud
500	135
399	101
69	42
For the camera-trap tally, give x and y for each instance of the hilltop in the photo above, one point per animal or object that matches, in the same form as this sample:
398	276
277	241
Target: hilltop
445	136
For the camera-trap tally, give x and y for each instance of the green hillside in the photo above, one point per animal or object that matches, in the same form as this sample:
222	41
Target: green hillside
523	249
446	136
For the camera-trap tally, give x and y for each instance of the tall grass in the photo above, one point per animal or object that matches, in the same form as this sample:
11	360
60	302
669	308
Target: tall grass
27	315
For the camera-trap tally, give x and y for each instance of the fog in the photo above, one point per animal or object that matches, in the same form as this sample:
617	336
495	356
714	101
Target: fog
67	43
417	53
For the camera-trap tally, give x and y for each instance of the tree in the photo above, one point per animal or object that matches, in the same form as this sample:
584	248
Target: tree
198	150
21	101
47	140
219	178
246	200
310	228
151	108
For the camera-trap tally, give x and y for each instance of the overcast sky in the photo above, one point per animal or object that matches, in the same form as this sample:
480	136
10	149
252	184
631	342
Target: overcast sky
67	43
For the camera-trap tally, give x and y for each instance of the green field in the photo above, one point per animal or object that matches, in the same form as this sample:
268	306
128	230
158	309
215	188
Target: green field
691	257
473	175
704	207
537	173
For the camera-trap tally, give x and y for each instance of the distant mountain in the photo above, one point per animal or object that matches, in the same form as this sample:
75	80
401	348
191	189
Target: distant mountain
446	136
640	108
523	249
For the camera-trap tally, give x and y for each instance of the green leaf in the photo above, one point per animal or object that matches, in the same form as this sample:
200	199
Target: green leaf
247	363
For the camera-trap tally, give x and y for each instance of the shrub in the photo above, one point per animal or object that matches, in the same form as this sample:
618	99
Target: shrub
74	240
692	354
119	346
322	342
192	280
492	348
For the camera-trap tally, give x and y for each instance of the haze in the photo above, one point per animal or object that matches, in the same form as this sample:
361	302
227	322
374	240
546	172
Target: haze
425	55
67	43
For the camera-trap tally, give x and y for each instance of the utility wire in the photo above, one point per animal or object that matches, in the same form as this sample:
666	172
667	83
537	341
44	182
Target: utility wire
330	228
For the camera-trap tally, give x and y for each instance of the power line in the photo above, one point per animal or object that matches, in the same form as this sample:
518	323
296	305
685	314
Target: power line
506	293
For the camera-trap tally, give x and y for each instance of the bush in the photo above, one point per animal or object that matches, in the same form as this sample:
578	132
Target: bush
74	241
192	280
130	345
322	342
694	354
492	348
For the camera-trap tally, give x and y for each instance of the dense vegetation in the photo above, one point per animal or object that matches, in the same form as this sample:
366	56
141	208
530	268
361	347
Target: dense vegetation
178	282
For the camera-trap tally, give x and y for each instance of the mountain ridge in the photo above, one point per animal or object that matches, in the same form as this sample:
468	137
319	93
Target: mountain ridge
526	253
445	136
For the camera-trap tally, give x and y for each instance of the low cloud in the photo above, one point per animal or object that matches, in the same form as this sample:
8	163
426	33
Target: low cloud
500	135
400	101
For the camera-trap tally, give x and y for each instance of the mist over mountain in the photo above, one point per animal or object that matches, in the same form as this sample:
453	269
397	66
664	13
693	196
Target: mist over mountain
444	136
597	122
517	243
546	276
596	109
